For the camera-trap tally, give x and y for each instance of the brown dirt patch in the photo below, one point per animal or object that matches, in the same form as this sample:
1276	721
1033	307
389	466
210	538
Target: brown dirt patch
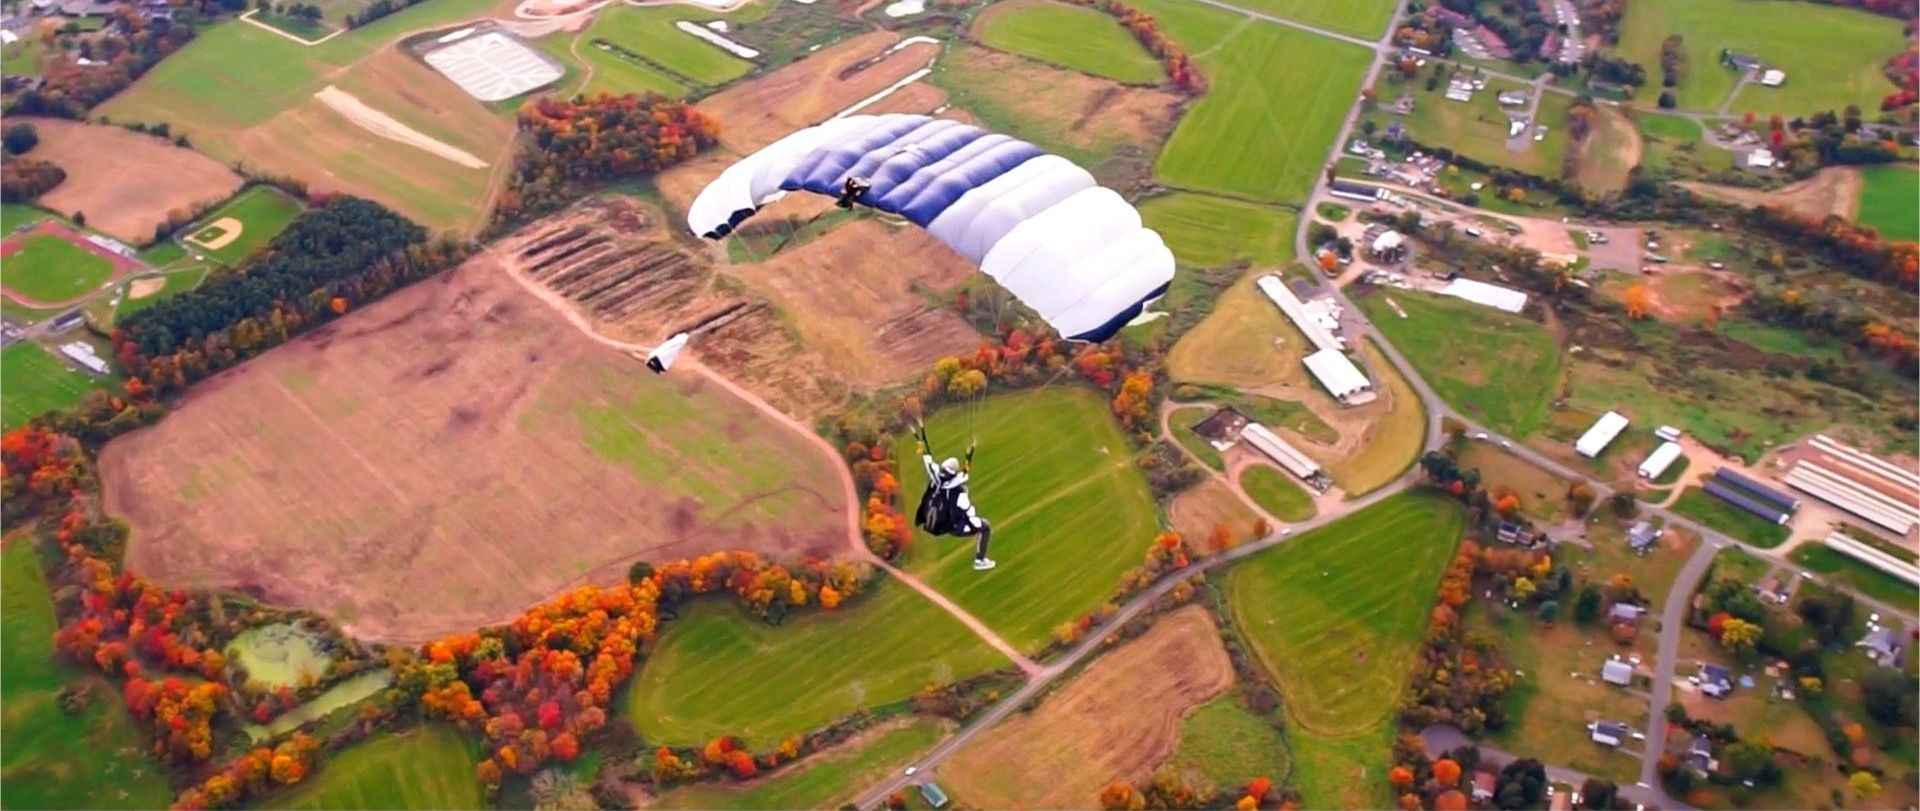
1683	295
142	288
449	455
806	92
860	305
126	182
918	97
1832	191
1116	721
1196	511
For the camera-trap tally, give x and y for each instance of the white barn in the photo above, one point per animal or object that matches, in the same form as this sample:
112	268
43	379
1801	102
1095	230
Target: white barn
1341	378
1662	458
1505	299
1277	449
1602	434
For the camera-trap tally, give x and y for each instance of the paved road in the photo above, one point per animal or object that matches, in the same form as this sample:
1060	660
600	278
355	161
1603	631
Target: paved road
1443	738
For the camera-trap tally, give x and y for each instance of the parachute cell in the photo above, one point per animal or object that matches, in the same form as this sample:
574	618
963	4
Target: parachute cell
1073	251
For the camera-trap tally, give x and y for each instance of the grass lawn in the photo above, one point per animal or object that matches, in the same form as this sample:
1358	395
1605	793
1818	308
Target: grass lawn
1543	496
1361	18
91	759
1478	128
1235	140
263	212
50	269
1333	212
1343	771
1694	503
718	670
1832	56
36	382
1070	511
1851	571
825	780
1890	201
1246	343
1182	421
1394	440
1338	629
1227	745
1744	413
297	26
1074	37
22	58
650	31
14	215
1501	369
1561	692
1205	230
430	767
1276	492
177	282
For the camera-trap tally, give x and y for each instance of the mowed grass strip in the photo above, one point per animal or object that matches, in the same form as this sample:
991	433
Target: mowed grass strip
1205	230
1890	201
424	768
50	269
1335	624
263	212
1709	510
1266	124
1074	37
1500	369
825	780
1070	511
651	31
90	759
1361	18
1851	571
36	382
1832	56
717	670
1277	493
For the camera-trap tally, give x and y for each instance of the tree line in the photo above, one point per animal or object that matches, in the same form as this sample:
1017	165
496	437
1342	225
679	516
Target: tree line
1173	59
567	147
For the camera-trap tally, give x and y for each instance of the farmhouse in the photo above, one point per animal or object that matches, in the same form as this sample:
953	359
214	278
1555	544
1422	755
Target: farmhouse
1340	377
1662	458
1715	680
1510	532
1774	77
1642	535
1884	647
1602	434
1616	671
1317	323
1760	158
1267	442
82	354
1505	299
1610	733
1626	613
1700	754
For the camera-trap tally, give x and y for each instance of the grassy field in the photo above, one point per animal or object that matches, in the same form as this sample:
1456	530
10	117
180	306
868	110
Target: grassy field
1832	56
1849	570
825	780
263	212
1227	745
1478	128
612	73
1344	771
1694	503
176	282
1277	493
1205	230
1074	37
14	215
1245	343
718	670
1605	156
1232	141
1182	421
22	58
422	768
90	759
1890	201
1361	18
1500	369
1070	511
1393	441
1268	411
1561	692
36	382
650	31
1542	494
51	269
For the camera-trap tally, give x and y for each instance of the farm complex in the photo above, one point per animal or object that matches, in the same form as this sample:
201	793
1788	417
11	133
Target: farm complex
1134	404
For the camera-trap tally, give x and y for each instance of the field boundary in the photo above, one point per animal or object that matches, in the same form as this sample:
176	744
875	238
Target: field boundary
248	18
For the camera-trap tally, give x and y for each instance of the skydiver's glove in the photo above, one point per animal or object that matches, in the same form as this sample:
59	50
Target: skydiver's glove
919	447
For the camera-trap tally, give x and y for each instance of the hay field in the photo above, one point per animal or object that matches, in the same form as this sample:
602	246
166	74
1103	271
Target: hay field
1832	56
1116	721
126	182
1502	370
801	94
1205	230
1073	37
824	780
428	768
449	455
1890	201
1070	511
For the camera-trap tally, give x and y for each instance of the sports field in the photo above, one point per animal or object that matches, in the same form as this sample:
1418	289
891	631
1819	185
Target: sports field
169	285
1205	230
1277	493
824	780
53	759
1070	511
717	670
431	767
1360	18
1074	37
259	214
1276	100
1890	201
49	269
1832	56
36	382
650	31
1500	369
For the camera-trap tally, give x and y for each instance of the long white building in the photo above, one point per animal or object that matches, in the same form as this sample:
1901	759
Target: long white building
1602	434
1277	449
1316	329
1341	378
1662	458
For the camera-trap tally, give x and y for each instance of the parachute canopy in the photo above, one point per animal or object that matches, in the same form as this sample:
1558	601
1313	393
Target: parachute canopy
1068	248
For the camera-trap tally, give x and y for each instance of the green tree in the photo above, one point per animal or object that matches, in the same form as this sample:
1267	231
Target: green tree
1586	605
1549	611
20	138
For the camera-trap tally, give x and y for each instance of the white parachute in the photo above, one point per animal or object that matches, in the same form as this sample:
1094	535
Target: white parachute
663	356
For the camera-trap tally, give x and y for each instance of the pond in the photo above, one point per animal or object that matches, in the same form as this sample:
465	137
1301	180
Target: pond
348	692
279	655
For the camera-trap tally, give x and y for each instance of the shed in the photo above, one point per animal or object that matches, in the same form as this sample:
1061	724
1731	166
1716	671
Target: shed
1610	733
1626	612
1756	487
931	792
1505	299
1774	77
1760	158
82	354
1662	458
1289	457
1616	671
1602	434
1341	378
1642	535
1512	98
1354	191
1885	647
1316	329
1221	427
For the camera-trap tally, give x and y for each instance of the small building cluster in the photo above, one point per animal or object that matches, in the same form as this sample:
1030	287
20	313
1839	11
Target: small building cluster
1867	486
1226	426
1642	536
82	354
1320	322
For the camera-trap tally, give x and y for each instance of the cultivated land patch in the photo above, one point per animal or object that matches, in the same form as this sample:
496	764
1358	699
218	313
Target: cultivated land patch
825	780
1832	56
1197	510
1070	511
36	382
1112	129
1500	369
716	670
123	181
1116	721
1070	36
802	94
245	224
49	268
1890	201
377	469
426	768
1205	230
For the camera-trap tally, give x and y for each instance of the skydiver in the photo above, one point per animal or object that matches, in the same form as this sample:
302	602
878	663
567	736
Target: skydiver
851	191
945	508
663	356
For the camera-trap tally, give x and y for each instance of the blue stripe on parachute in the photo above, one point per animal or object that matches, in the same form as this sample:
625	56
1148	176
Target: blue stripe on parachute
916	166
821	170
932	190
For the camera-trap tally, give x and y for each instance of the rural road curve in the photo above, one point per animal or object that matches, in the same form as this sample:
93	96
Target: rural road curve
1444	738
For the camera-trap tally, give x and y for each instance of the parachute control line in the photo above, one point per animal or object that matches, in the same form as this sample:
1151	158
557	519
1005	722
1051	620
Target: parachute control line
1070	249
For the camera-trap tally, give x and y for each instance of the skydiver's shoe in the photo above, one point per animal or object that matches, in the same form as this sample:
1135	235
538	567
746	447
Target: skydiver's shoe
983	564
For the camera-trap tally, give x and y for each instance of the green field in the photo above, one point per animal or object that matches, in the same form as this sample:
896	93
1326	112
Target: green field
1478	128
52	270
1861	577
14	215
1228	745
36	382
1070	511
1277	493
179	281
263	212
1890	201
1832	56
718	670
1346	771
1277	97
1073	37
1694	503
1205	230
650	31
612	73
1361	18
422	768
23	58
91	759
824	780
1499	369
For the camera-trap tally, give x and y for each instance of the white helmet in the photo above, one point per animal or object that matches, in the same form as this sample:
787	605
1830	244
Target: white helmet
952	465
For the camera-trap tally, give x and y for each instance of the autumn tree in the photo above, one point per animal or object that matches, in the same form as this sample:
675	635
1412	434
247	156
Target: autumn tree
1120	795
1637	299
1450	800
1863	784
1740	635
1446	772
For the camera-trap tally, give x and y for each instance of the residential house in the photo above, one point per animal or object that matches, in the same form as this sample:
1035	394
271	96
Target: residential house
1773	78
1513	533
1715	680
1617	671
1512	98
1642	536
1495	45
1884	647
1610	733
1450	17
1483	785
1700	754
